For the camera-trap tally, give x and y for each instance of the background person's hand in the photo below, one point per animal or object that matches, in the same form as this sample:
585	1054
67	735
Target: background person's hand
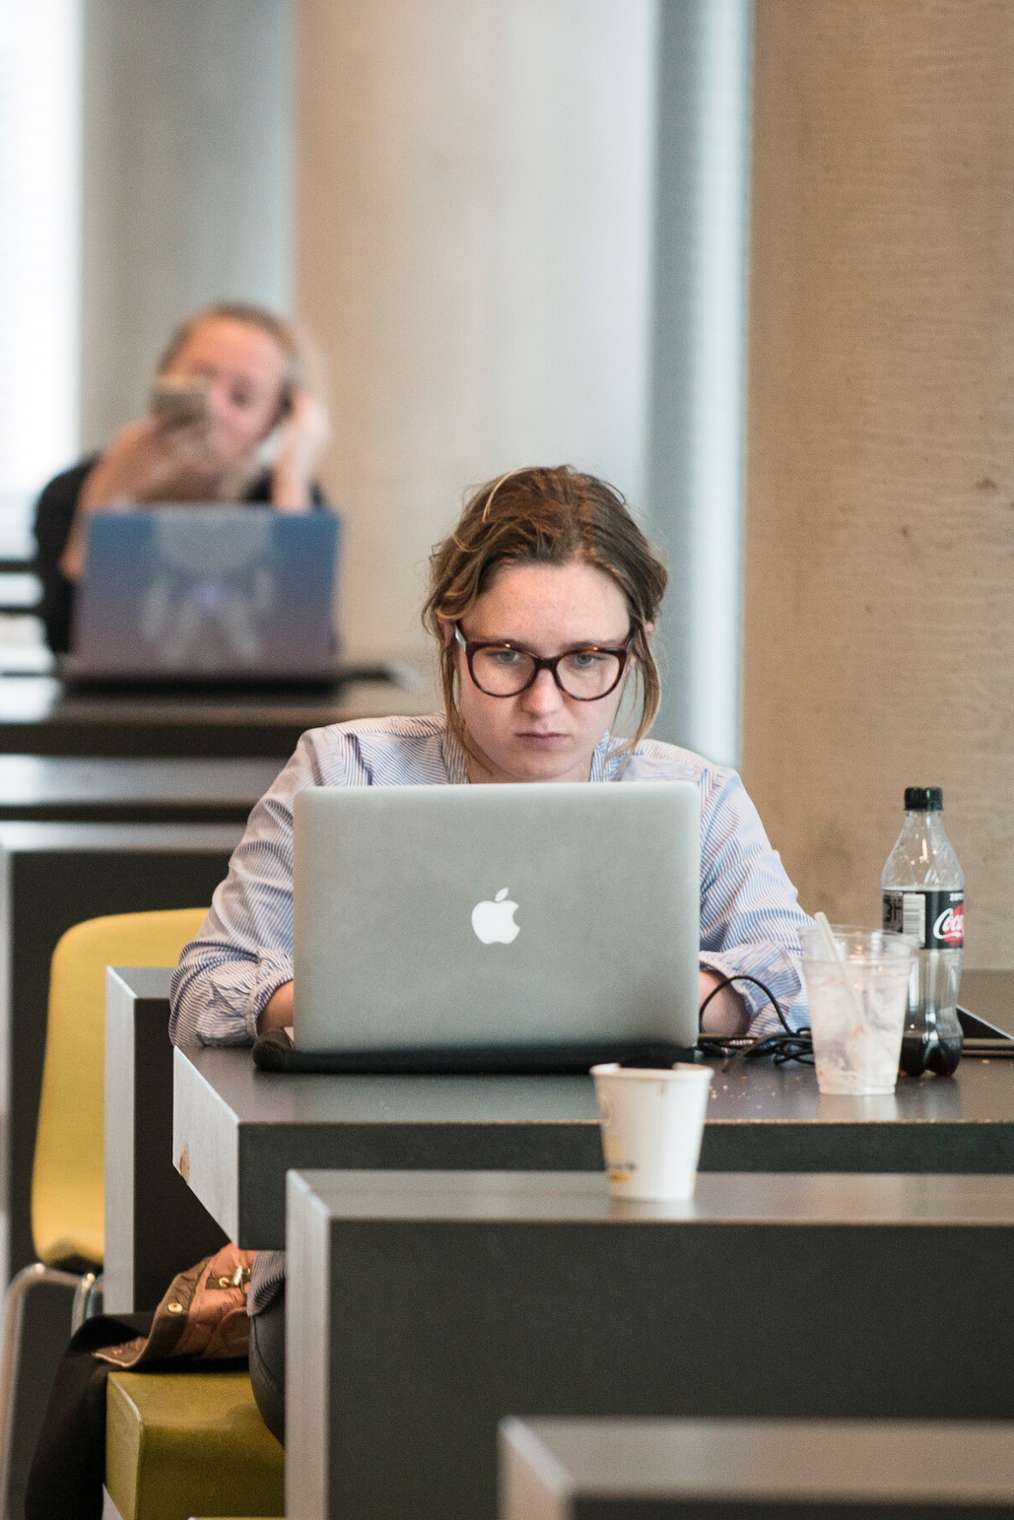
302	438
726	1013
154	459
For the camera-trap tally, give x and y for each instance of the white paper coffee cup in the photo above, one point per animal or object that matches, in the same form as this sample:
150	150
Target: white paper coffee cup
652	1125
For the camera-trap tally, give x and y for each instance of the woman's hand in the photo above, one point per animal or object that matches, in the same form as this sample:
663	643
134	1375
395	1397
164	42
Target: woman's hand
155	459
726	1013
277	1011
303	436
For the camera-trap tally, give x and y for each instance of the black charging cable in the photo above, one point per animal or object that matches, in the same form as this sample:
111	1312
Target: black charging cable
786	1044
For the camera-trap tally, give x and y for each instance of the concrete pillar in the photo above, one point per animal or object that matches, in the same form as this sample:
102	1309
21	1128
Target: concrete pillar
185	180
699	365
879	640
473	252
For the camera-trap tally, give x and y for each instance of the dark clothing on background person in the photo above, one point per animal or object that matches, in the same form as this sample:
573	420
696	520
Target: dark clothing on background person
201	1321
69	1466
267	1360
54	513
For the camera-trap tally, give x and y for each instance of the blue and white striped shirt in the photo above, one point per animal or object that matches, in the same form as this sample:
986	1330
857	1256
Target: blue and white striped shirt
749	914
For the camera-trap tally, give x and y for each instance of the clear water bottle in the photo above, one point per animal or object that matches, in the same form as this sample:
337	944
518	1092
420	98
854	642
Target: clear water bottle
924	896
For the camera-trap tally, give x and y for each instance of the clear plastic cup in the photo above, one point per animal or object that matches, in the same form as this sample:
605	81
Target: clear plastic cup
857	1006
652	1125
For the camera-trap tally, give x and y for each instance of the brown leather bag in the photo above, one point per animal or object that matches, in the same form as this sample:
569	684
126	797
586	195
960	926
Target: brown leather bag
202	1317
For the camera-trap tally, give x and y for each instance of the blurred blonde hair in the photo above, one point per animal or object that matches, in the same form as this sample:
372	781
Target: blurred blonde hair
293	345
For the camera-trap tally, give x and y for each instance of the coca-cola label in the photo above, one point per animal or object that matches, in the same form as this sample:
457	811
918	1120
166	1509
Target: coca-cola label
936	920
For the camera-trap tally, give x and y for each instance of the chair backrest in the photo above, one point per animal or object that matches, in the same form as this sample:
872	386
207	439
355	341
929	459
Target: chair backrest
67	1175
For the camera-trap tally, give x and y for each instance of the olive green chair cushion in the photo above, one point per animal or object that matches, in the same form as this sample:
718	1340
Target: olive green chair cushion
180	1444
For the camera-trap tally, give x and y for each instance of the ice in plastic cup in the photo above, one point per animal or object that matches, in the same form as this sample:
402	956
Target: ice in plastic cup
652	1124
857	987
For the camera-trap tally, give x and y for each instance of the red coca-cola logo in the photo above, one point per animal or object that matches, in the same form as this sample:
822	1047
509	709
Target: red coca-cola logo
950	926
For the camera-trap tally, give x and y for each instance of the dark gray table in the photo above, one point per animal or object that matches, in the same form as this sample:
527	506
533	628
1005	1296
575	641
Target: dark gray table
155	1225
237	1131
454	1299
599	1469
66	788
38	716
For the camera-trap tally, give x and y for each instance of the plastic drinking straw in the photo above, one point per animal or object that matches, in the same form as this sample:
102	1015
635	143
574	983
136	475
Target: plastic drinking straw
833	951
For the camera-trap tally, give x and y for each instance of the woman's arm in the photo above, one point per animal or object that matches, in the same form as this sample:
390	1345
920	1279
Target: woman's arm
241	958
726	1013
750	916
277	1011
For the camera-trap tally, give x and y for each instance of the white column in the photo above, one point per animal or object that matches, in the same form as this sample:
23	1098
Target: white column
473	250
40	103
186	179
696	498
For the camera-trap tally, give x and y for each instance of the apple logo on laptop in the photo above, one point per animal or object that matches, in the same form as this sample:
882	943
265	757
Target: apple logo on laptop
493	922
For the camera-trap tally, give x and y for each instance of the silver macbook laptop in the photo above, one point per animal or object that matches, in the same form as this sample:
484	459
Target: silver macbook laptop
540	926
230	595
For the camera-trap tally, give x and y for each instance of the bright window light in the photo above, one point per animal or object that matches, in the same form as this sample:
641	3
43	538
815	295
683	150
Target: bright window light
40	115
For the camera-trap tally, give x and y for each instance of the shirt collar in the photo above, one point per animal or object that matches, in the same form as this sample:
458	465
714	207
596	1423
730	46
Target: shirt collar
609	759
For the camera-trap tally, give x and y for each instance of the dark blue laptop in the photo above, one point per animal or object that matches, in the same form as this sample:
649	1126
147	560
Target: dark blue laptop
207	595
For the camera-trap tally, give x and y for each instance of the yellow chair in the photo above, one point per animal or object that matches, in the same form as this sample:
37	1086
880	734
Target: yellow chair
67	1172
68	1224
185	1443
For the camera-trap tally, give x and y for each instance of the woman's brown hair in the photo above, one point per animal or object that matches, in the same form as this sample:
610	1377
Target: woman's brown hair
545	517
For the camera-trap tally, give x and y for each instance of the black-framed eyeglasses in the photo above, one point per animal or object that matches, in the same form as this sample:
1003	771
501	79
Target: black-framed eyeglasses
586	674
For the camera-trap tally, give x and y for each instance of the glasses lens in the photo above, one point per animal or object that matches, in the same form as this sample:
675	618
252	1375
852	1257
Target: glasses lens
588	673
501	671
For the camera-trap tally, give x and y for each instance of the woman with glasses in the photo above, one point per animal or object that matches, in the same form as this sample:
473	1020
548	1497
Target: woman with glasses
542	604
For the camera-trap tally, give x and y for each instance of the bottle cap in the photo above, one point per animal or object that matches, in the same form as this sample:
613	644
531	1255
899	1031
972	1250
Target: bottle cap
924	799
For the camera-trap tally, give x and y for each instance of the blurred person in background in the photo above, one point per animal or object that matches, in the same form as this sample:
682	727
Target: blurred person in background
231	419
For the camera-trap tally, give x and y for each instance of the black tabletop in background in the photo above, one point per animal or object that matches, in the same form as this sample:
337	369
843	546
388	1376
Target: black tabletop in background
40	715
114	789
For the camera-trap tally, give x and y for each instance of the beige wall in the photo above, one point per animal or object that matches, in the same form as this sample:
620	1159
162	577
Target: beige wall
472	250
879	630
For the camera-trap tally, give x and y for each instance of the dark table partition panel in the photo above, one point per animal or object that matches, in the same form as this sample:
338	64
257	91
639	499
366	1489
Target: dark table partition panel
424	1308
602	1469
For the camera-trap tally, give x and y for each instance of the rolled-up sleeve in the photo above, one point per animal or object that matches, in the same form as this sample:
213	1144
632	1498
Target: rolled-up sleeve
243	951
750	916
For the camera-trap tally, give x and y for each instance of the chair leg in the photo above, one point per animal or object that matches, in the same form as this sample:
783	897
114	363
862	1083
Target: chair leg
10	1356
88	1291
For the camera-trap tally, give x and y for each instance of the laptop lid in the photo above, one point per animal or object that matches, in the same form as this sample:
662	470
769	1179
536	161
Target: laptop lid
447	927
233	593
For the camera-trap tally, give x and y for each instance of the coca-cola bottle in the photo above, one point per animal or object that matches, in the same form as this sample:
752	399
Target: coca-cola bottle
924	896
